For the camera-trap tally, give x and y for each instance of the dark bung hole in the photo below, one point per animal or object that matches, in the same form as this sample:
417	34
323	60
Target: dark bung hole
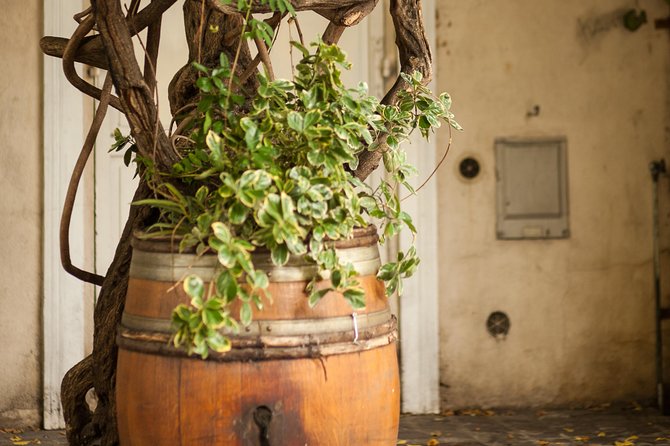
262	418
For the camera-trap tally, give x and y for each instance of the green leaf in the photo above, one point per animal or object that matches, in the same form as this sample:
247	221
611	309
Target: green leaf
387	271
316	295
409	267
336	278
311	118
287	206
407	219
218	342
200	67
221	231
301	48
214	303
201	194
212	318
181	314
213	142
367	136
245	314
295	121
251	132
244	260
127	157
227	286
237	213
204	84
261	279
227	256
356	297
160	204
280	255
195	288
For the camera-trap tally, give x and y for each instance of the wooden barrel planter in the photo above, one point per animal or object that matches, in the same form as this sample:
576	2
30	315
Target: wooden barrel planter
322	376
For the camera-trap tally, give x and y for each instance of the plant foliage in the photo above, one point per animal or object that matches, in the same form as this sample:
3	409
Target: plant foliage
275	172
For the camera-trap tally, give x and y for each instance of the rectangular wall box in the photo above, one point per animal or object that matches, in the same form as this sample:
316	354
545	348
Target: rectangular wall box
531	188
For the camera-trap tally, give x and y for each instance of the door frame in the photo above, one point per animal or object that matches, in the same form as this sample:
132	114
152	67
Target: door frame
63	307
418	313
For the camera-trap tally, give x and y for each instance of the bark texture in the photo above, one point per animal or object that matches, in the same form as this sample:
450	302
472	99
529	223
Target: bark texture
111	49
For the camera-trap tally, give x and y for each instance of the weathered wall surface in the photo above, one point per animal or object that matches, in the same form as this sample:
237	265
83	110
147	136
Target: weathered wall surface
581	308
20	219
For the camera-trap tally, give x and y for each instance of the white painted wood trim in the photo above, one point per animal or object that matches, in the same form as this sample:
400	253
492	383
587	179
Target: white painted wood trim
419	324
63	305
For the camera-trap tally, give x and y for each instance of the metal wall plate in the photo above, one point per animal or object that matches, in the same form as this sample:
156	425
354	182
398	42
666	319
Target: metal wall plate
532	191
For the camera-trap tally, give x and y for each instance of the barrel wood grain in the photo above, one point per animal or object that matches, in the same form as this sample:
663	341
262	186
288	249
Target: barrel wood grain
349	395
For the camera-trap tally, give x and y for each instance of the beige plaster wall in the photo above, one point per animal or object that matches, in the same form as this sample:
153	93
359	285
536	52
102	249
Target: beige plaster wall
581	309
20	219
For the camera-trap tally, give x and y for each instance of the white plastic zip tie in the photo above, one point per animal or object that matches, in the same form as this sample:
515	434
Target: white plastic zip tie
353	316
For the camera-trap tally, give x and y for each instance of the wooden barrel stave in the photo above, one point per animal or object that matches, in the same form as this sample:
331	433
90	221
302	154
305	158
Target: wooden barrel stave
347	396
313	401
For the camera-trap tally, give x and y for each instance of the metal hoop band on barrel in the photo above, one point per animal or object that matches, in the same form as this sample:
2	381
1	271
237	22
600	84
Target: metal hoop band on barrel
309	338
167	267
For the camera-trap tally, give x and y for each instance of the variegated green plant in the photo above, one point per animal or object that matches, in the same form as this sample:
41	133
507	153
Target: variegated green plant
276	172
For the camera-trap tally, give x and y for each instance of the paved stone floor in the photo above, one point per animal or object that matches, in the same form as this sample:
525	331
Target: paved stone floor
629	425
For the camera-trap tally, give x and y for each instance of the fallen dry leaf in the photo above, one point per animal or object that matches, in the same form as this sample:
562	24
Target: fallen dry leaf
662	439
402	442
568	429
476	412
602	434
542	442
582	439
432	442
627	442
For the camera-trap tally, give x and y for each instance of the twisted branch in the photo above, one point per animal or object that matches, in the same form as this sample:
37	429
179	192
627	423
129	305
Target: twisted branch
92	50
414	53
71	194
68	63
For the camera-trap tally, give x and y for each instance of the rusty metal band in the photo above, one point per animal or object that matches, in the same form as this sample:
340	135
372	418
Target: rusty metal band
141	241
278	327
169	267
269	347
